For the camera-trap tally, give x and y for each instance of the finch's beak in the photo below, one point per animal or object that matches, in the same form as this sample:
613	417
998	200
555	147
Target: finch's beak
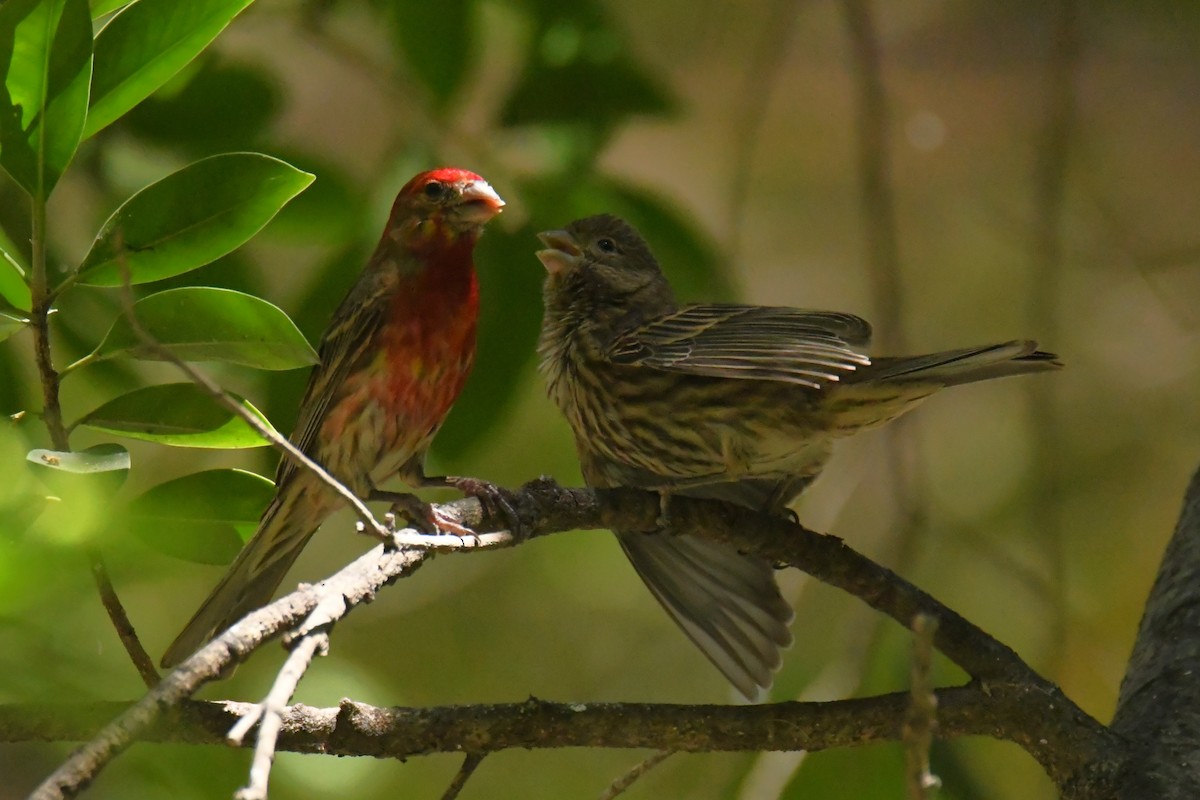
477	203
561	251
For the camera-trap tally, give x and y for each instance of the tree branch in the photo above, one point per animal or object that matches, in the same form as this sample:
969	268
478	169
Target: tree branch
142	661
921	723
1020	705
358	729
1158	711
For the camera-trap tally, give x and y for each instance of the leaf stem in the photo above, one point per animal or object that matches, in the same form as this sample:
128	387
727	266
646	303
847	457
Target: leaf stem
83	362
39	321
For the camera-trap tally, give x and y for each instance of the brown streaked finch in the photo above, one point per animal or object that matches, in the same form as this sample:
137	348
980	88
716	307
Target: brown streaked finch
738	403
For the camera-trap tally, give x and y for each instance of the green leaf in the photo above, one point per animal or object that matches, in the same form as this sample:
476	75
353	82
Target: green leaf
581	72
615	91
200	323
179	414
147	43
422	30
191	217
243	96
11	320
102	7
45	67
204	517
101	467
331	212
14	287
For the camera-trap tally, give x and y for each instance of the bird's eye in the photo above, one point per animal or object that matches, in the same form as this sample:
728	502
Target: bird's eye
435	190
606	246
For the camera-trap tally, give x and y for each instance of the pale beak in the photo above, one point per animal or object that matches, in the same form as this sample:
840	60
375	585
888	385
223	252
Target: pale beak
478	203
561	251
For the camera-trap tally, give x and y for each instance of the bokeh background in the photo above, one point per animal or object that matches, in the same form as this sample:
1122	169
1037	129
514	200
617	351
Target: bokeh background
958	172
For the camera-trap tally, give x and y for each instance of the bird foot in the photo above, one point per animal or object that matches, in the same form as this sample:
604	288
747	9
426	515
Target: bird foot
494	499
663	521
426	517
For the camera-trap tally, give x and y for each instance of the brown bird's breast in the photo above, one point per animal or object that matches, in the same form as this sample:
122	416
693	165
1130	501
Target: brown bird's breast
637	426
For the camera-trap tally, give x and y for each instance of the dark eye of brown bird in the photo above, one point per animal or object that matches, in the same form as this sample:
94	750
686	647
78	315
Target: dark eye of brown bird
435	190
606	246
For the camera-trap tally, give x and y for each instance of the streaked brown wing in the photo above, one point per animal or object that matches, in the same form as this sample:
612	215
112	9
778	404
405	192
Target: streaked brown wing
348	343
809	348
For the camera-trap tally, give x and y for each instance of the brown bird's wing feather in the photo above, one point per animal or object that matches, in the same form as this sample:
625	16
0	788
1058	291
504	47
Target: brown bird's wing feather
809	348
727	603
343	350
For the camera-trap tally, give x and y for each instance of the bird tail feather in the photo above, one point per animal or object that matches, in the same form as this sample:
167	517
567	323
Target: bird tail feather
888	387
727	603
952	367
249	583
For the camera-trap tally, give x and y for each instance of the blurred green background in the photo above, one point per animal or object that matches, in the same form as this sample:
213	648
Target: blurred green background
1026	206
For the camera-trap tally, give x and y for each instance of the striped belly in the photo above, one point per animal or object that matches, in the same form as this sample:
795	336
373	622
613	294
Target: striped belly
645	428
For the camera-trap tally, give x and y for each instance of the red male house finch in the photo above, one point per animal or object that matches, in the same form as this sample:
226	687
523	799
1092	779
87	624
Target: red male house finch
730	402
393	360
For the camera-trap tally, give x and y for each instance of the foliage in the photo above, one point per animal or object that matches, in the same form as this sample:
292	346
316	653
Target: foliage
126	102
148	69
234	161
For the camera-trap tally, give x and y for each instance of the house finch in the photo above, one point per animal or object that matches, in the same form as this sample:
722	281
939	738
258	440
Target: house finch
730	402
393	360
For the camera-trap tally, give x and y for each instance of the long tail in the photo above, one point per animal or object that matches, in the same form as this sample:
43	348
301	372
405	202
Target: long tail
889	387
952	367
286	526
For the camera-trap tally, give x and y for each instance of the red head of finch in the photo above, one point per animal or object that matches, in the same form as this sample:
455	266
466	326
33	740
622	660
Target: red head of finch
392	361
729	402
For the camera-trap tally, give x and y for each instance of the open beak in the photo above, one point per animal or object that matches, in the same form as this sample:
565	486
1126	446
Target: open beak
478	203
561	251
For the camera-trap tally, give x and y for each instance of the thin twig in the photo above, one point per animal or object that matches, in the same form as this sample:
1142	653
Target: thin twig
876	195
622	783
877	198
271	711
120	620
766	65
920	723
42	300
469	765
1045	304
39	320
225	399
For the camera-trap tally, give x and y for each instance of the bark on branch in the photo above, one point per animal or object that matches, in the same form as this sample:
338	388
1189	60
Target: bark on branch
1004	699
1158	712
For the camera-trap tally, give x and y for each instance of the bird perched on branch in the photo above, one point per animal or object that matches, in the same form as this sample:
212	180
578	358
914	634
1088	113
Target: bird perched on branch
738	403
393	360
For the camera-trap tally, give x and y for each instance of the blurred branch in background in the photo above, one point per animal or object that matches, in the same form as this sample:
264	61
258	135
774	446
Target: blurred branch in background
1048	263
621	784
763	75
470	763
905	471
921	723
